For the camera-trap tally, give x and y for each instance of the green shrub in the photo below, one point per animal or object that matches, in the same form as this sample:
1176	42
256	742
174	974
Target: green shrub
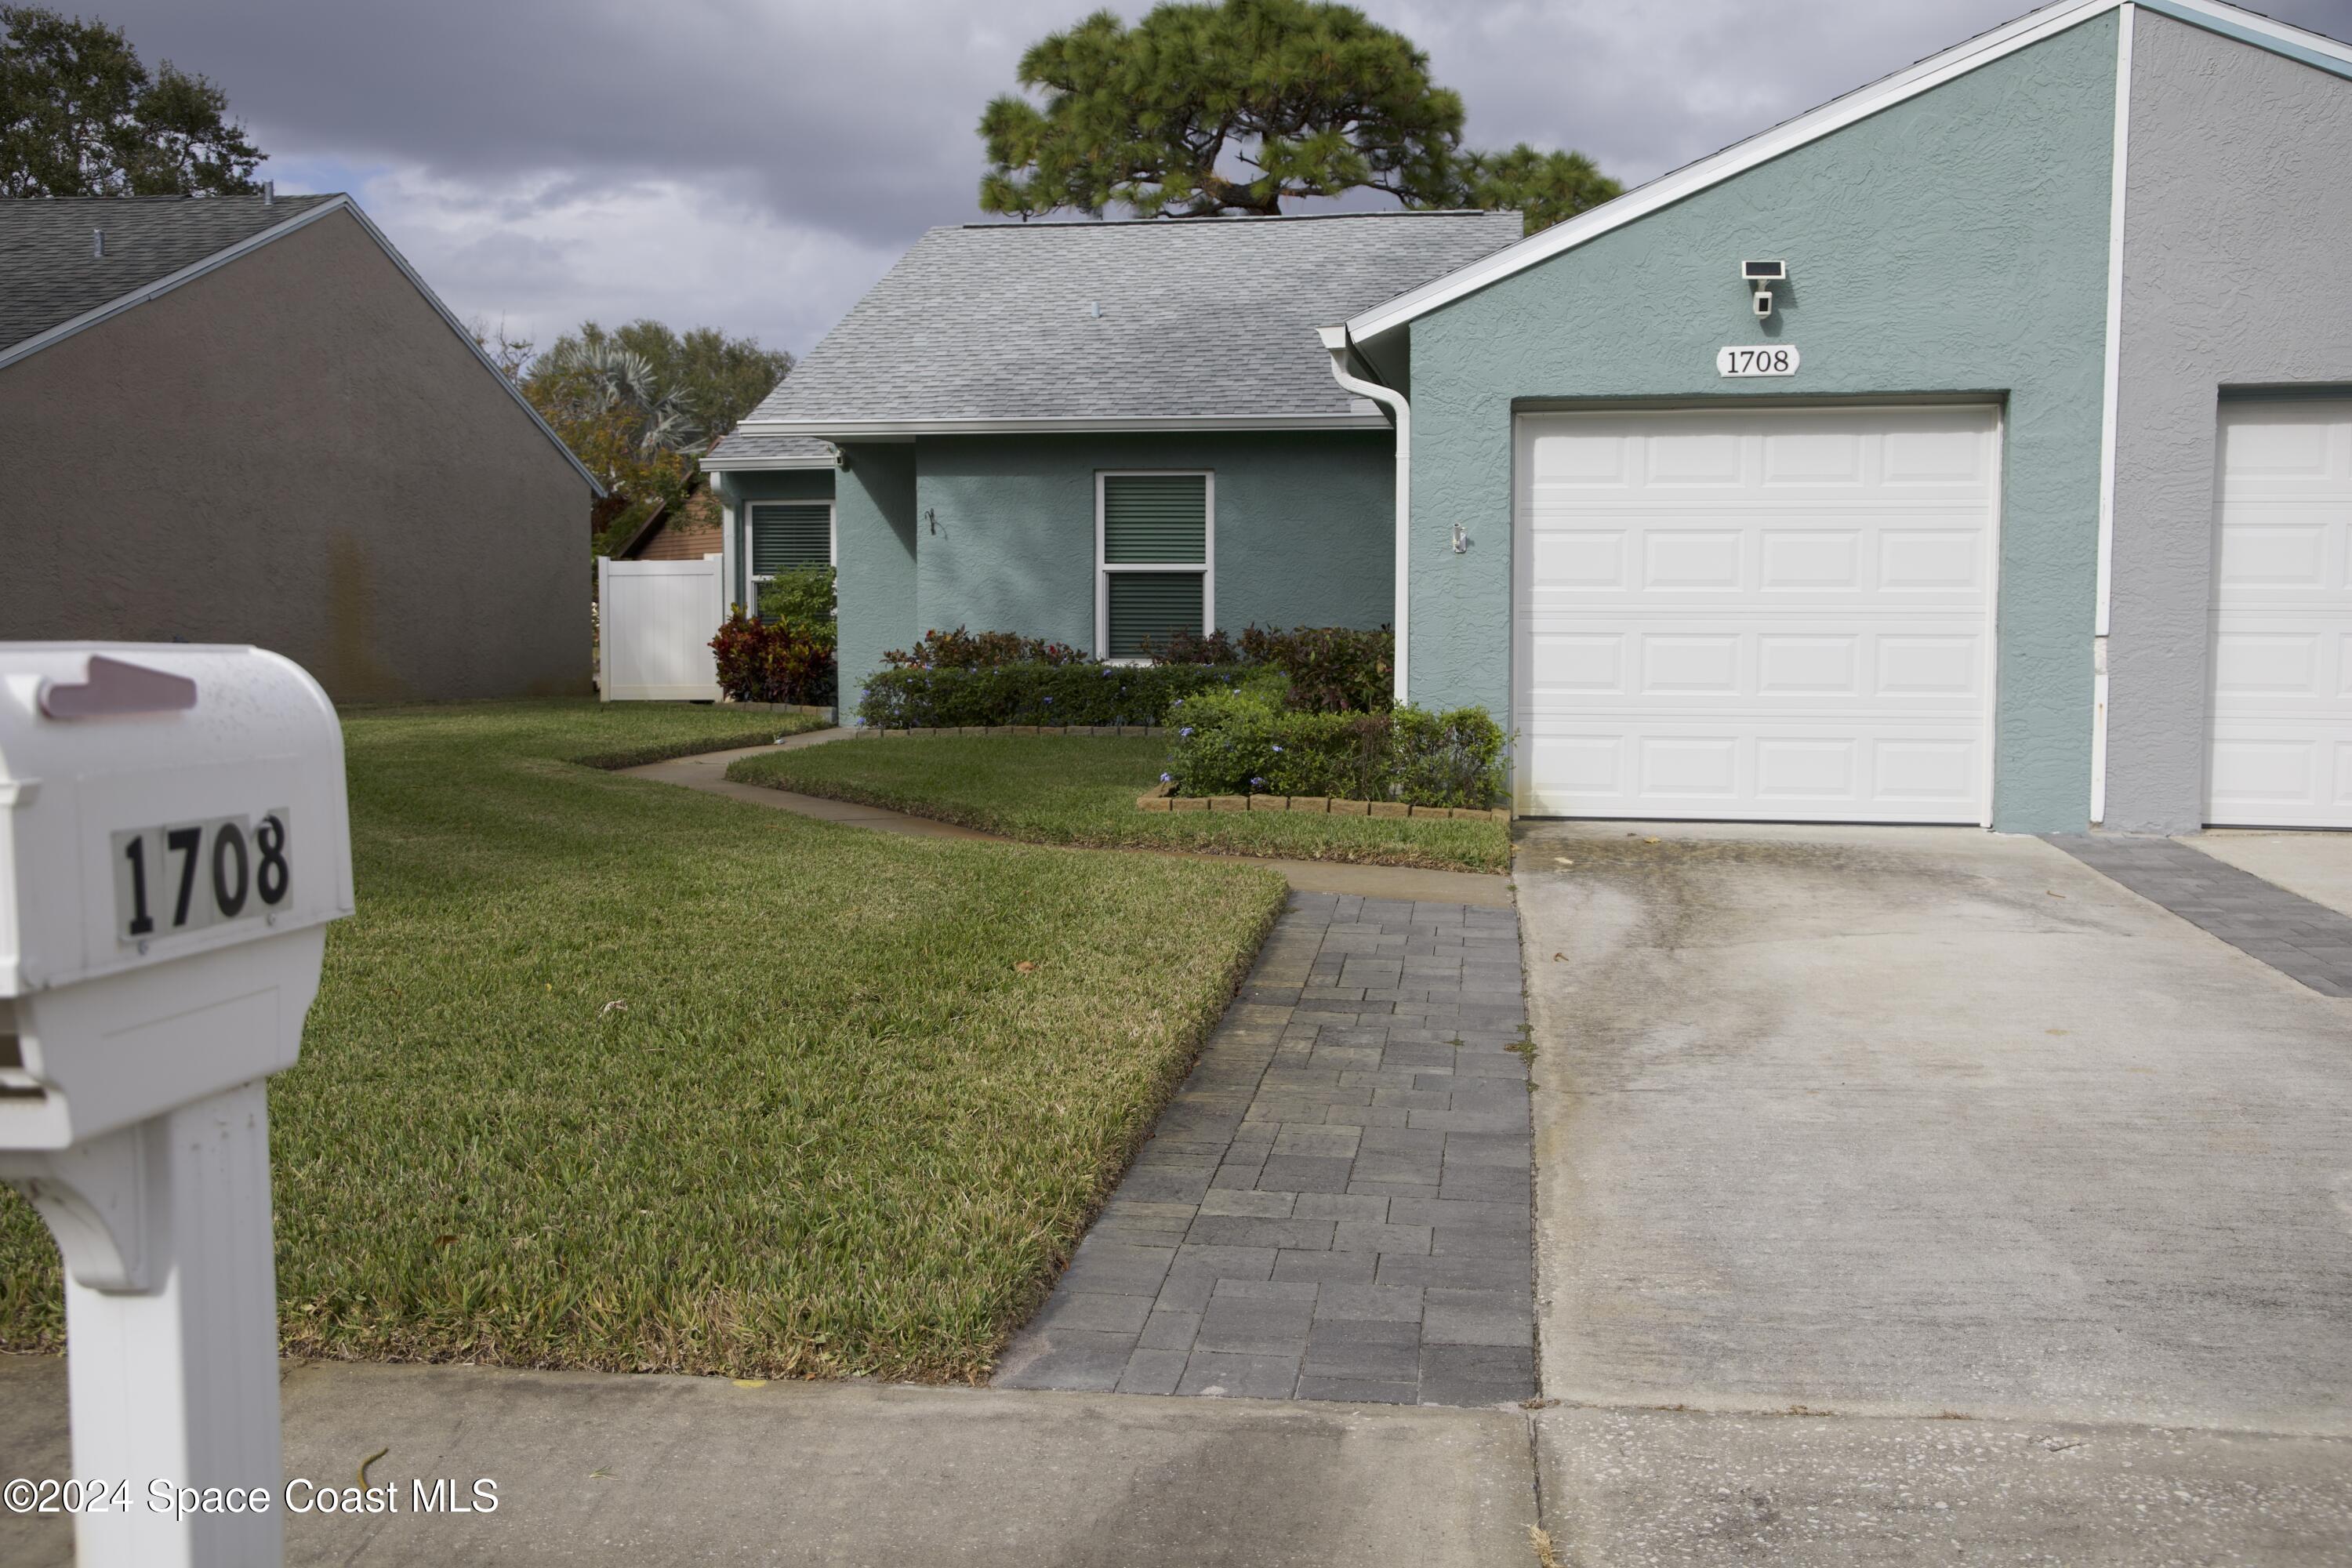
1235	743
961	649
1034	694
801	601
1332	669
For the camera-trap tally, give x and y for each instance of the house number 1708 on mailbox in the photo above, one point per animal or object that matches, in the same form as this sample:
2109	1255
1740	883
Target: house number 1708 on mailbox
190	875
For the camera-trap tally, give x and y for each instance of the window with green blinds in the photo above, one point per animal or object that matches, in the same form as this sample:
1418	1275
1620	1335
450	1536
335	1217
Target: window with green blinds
1155	519
1151	607
1155	558
788	536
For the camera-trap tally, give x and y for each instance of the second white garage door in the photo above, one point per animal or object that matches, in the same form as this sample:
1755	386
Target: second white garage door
1767	614
2281	733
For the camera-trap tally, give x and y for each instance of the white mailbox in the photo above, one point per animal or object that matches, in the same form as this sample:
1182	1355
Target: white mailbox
173	839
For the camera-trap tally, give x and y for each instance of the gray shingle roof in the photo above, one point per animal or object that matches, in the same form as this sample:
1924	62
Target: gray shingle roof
737	447
1203	319
50	273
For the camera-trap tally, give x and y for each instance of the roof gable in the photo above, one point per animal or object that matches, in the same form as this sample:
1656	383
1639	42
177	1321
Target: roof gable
1153	324
2311	48
55	282
52	267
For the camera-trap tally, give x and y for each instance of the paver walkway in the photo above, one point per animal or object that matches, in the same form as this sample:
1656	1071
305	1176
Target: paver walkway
1337	1204
2308	941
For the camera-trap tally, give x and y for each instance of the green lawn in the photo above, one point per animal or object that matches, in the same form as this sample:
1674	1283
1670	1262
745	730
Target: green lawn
607	1073
1072	789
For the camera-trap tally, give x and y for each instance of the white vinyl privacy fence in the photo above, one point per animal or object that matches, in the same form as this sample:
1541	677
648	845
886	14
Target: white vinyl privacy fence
656	620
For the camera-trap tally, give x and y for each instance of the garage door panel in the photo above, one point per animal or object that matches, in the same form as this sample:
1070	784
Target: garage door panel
1707	458
1590	561
1789	666
1927	773
1796	664
1689	664
1734	767
1815	458
1917	457
1760	613
1692	559
1811	561
1912	669
2280	638
1916	560
2274	446
2270	548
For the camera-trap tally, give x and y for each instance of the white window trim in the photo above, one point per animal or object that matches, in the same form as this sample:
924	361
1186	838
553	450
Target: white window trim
1206	567
751	580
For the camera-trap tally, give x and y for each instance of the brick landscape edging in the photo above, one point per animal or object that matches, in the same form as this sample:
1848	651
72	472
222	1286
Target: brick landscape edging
819	709
1162	798
872	732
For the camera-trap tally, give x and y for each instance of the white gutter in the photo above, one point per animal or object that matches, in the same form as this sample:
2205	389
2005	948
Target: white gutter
766	465
1335	339
2107	417
838	430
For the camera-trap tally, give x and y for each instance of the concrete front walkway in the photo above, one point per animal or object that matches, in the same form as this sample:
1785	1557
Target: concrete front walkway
1922	1195
597	1468
708	772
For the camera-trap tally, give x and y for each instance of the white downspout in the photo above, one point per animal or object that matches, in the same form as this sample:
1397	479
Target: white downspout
2110	391
1335	339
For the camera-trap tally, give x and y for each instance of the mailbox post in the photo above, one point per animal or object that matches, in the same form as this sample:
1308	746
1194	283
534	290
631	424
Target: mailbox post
173	841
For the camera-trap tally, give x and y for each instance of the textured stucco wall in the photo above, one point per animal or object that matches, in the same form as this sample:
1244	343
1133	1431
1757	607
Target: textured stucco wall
2237	272
768	484
874	541
1304	527
1954	243
296	451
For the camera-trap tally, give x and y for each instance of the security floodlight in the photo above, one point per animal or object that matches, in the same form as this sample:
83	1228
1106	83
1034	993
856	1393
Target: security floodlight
1764	271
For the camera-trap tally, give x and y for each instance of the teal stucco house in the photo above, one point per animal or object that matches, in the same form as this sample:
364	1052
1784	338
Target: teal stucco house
1975	449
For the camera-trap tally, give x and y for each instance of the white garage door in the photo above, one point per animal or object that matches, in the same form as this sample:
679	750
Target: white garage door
2281	627
1765	614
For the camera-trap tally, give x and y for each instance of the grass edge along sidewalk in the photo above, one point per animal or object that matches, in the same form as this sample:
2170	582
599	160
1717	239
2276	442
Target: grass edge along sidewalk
608	1074
1081	790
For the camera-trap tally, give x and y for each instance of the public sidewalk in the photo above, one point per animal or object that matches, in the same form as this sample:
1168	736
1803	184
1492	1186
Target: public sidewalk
597	1468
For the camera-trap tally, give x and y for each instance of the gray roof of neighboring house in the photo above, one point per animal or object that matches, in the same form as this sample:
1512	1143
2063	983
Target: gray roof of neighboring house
777	450
1202	319
50	273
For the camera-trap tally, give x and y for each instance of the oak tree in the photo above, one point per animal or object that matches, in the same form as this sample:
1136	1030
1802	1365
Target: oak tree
81	115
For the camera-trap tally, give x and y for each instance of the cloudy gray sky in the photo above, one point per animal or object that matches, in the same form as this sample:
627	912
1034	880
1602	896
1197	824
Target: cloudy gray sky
755	165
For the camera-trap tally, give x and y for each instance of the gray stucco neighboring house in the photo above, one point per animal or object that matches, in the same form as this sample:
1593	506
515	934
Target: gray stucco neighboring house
245	419
1097	432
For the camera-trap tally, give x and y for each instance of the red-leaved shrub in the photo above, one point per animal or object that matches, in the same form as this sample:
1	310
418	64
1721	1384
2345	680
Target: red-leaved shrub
774	663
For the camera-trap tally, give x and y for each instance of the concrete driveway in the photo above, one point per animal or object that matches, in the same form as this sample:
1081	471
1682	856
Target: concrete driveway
1890	1127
